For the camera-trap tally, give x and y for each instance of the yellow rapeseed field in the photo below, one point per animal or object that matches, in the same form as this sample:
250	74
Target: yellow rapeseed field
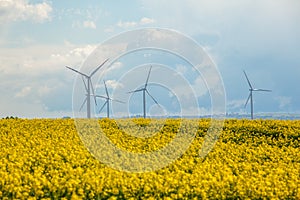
46	159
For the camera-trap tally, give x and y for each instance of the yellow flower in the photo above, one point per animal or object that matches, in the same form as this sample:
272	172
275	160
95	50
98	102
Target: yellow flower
46	159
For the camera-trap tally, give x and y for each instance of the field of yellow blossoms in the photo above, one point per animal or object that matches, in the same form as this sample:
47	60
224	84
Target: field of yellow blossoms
46	159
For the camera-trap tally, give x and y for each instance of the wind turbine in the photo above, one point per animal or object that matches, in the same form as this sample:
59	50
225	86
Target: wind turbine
144	90
107	100
250	97
88	86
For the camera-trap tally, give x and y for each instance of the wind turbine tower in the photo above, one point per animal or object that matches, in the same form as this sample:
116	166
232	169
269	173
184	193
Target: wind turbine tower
144	90
251	90
88	87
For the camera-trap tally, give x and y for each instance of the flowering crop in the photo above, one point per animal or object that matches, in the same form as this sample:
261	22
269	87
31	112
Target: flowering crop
45	158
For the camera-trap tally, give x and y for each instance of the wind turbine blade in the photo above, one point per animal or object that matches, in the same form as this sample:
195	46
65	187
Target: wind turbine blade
247	100
100	96
102	106
117	101
98	68
136	90
93	91
83	104
148	76
248	80
106	89
262	90
152	97
77	71
86	89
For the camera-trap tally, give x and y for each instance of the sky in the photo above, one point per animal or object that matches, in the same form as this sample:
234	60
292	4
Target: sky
39	38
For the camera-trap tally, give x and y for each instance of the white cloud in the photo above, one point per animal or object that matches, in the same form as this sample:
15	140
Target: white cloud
237	36
115	66
89	24
235	104
231	21
82	51
114	84
22	10
85	24
131	24
146	20
37	60
37	74
24	92
283	101
126	24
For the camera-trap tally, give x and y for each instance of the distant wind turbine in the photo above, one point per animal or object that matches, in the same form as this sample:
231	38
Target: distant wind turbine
250	97
107	100
88	86
144	90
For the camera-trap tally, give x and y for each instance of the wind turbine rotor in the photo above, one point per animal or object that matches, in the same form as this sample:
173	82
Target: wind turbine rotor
251	89
107	99
88	85
144	89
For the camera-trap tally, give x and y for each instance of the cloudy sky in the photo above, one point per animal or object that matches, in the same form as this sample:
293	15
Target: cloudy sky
39	38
